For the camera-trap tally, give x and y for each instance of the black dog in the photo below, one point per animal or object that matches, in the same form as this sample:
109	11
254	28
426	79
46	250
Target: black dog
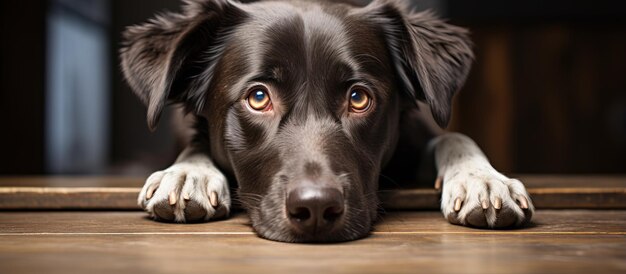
304	103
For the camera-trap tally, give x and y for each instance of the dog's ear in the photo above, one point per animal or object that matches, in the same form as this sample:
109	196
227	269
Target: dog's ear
170	57
432	58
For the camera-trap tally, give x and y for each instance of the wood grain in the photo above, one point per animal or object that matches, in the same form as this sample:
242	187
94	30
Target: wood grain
547	191
560	241
130	222
68	198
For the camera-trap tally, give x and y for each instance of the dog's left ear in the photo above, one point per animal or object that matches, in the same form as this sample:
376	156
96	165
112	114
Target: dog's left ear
170	58
432	58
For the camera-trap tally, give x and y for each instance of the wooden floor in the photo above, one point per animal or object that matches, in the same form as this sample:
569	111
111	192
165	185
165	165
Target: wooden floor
92	225
120	193
559	241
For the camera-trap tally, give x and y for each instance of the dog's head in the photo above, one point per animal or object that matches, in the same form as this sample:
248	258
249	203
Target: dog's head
302	98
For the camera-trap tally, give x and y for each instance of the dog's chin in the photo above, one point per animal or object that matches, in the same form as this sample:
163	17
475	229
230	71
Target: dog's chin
322	239
343	235
277	228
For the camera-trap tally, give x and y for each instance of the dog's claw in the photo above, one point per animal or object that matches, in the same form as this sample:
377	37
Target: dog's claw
438	183
485	204
172	198
213	199
457	204
497	204
523	203
186	197
150	191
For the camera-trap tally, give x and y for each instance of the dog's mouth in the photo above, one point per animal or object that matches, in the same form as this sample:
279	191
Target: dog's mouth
310	213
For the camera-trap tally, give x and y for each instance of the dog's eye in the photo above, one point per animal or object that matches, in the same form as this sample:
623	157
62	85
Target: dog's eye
259	99
359	100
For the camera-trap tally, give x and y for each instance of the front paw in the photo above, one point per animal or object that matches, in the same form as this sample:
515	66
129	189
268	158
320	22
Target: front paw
186	192
482	197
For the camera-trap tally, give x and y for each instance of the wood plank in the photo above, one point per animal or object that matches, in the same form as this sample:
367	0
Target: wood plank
113	222
71	181
530	180
564	241
248	254
419	222
556	198
547	191
572	181
68	198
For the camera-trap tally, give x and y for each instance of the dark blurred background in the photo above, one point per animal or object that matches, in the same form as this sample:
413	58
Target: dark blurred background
547	93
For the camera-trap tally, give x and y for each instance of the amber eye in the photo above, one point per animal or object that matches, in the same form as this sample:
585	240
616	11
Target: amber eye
259	99
359	100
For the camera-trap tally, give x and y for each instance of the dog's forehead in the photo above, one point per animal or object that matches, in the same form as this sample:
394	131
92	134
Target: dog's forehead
312	15
309	38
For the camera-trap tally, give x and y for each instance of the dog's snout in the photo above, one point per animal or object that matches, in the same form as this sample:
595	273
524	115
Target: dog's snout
315	210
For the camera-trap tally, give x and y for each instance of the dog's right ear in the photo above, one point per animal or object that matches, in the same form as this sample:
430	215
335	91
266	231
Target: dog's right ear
170	57
432	58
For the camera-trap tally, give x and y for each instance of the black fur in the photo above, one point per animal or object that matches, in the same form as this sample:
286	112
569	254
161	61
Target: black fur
309	53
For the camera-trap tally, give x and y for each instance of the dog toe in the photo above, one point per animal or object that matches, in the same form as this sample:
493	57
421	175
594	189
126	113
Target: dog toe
506	217
194	212
476	217
163	211
521	197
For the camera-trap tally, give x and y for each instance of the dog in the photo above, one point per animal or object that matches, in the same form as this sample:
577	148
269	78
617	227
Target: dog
302	105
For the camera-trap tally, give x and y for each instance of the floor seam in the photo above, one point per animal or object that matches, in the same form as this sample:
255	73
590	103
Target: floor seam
252	233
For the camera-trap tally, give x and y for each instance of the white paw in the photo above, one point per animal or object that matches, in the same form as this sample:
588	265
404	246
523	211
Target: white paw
477	195
186	192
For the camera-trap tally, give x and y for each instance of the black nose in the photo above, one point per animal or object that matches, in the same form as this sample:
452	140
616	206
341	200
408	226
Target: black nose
314	210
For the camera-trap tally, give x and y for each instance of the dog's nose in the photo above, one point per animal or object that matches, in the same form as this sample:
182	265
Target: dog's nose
315	210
